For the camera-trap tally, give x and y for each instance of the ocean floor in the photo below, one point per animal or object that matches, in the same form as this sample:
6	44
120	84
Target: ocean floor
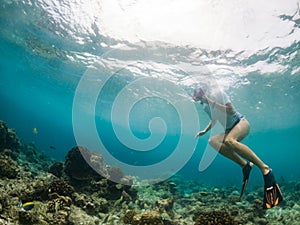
37	190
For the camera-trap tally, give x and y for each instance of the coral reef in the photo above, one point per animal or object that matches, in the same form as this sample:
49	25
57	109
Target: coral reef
92	193
165	206
27	218
59	203
162	213
57	169
61	187
151	217
3	134
9	167
215	218
83	165
128	217
94	176
91	204
8	138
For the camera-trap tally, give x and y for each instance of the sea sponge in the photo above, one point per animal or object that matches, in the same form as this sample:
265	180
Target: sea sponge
61	187
148	218
165	206
60	203
152	218
128	217
215	218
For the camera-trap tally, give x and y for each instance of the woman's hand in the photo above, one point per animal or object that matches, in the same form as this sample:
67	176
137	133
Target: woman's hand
200	133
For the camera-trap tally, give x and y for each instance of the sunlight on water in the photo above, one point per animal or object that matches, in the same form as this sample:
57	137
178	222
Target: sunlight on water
214	25
232	41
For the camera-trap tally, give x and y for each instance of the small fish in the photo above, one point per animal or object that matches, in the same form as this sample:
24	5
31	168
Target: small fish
203	193
26	206
52	147
35	131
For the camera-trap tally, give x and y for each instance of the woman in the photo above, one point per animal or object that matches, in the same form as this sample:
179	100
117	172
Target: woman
236	127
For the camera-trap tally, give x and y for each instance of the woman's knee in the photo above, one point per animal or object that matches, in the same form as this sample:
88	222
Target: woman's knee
215	142
212	141
230	142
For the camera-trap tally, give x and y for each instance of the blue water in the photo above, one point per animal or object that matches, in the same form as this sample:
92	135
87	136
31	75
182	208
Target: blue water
43	59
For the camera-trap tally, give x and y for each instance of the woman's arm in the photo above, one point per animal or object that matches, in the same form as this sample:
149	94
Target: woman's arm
207	128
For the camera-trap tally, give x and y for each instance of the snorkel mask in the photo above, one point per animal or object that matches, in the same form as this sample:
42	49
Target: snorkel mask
199	93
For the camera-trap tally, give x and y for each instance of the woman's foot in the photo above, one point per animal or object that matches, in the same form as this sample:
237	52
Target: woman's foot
266	170
272	192
246	172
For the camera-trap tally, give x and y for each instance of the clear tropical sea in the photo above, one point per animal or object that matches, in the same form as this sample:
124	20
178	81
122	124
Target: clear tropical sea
56	56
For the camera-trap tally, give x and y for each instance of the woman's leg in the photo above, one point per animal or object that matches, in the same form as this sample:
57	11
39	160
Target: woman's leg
217	142
232	141
229	145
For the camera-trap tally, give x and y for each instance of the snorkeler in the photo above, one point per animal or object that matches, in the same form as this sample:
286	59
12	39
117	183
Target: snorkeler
236	127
